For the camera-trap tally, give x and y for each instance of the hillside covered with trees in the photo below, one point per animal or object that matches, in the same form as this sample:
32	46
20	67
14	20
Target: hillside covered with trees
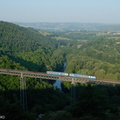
99	57
84	52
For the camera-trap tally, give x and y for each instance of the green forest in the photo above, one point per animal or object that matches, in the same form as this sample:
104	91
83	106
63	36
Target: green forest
84	52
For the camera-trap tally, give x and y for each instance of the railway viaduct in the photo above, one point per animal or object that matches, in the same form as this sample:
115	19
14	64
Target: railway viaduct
32	74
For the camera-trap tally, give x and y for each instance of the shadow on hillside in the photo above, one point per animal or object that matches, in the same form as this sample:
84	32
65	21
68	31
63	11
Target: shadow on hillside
28	64
38	101
93	101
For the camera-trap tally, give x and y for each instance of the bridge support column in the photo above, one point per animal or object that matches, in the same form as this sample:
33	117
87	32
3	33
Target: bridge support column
23	94
73	92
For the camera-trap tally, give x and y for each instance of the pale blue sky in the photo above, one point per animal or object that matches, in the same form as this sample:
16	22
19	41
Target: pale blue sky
84	11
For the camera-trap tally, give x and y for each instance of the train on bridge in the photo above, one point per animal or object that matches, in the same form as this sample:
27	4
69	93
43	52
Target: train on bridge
70	74
52	75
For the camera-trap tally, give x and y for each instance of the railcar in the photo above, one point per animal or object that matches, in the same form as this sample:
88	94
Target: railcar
82	76
57	73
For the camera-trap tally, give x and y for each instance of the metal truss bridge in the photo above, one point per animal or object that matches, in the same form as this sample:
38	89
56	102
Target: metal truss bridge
73	80
41	75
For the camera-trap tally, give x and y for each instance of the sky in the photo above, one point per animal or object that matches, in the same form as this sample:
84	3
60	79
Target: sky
83	11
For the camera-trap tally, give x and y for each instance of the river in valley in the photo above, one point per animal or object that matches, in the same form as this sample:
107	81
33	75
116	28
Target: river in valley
57	84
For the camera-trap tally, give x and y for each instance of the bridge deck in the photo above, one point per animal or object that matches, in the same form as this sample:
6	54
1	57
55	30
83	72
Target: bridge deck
55	77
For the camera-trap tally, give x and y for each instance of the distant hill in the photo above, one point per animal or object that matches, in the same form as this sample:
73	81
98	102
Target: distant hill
16	38
72	26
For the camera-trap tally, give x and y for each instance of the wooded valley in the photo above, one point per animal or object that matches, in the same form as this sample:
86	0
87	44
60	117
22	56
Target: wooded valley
85	52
